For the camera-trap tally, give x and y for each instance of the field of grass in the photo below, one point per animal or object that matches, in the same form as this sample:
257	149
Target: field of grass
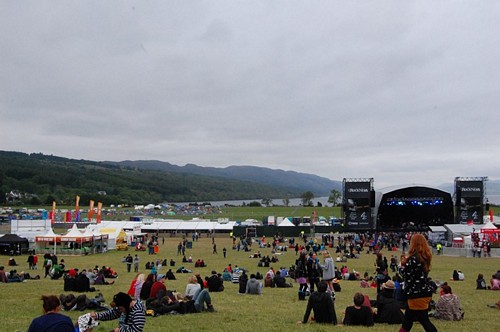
276	309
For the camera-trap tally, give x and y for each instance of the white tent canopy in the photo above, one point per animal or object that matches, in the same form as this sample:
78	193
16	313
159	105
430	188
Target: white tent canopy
75	232
285	222
202	225
489	225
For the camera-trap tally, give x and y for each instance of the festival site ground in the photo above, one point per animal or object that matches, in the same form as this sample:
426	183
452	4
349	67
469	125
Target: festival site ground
278	309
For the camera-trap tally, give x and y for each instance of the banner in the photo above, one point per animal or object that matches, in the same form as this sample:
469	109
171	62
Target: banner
91	211
357	205
99	211
469	201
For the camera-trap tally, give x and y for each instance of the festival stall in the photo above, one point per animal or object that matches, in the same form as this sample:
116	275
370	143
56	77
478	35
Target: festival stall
100	240
47	243
490	233
73	243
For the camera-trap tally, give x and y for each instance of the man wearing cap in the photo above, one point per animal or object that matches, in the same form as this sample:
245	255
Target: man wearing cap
133	312
158	290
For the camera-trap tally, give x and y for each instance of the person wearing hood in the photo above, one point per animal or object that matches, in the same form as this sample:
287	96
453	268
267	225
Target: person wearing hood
51	320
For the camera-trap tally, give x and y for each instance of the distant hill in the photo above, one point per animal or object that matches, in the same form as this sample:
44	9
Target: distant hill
492	187
293	181
39	179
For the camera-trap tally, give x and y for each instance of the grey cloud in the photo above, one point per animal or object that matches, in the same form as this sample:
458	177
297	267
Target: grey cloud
403	93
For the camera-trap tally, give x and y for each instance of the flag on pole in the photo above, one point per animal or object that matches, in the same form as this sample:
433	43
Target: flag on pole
91	210
53	214
99	211
77	209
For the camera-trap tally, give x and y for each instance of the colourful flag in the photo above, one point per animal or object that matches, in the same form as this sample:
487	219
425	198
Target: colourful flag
77	208
99	211
91	210
53	214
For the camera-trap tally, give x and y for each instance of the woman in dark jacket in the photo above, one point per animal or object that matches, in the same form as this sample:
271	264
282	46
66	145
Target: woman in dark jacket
242	282
301	275
414	270
146	287
388	308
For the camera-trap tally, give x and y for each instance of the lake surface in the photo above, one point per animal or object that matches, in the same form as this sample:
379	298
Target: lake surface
493	199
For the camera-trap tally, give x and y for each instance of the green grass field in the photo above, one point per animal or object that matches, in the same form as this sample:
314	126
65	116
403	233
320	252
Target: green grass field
276	309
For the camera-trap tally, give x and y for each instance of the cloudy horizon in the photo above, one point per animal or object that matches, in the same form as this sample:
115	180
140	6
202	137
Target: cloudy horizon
401	92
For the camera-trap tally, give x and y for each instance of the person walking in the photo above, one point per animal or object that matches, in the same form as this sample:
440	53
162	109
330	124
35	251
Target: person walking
415	269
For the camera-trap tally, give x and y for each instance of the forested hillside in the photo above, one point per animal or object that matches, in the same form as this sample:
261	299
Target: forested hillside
290	180
40	179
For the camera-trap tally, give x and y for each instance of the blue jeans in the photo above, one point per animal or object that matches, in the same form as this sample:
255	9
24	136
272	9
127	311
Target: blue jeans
200	298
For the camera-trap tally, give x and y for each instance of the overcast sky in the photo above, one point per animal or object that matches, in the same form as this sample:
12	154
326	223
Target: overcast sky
401	91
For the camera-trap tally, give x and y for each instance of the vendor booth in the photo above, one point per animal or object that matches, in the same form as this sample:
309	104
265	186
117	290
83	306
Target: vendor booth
490	233
73	243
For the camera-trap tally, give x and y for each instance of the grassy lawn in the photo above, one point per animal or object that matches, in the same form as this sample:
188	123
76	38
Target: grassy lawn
276	310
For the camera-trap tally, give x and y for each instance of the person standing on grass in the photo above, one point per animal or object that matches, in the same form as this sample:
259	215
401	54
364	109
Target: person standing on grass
136	263
51	320
301	274
415	269
129	260
328	271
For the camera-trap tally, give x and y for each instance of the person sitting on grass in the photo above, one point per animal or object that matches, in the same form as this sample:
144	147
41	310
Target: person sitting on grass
480	282
321	303
388	308
495	282
146	286
448	306
3	275
358	314
51	320
280	282
170	275
131	313
200	296
253	286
